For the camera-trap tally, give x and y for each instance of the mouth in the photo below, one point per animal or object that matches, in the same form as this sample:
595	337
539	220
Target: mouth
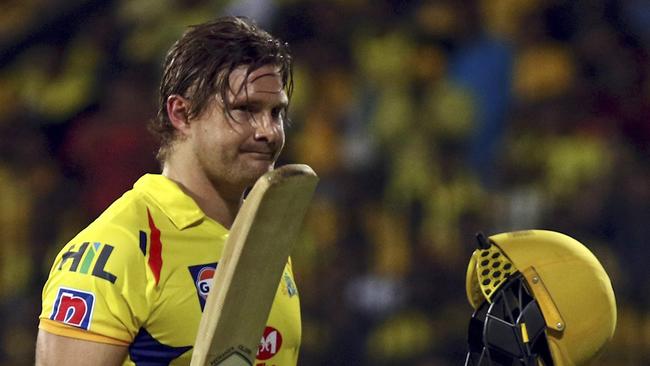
260	155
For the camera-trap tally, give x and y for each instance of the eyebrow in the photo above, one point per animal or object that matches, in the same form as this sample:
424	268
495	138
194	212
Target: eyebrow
258	103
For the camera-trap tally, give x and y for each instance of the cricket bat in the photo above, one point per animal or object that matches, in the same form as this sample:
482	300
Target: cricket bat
249	272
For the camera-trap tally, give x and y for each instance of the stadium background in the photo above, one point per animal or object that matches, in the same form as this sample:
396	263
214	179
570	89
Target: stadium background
426	120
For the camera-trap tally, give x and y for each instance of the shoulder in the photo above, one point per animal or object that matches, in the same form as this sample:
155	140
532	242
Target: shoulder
114	239
120	225
105	270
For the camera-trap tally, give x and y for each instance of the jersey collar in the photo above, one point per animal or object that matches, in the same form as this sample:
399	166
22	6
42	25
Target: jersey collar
181	209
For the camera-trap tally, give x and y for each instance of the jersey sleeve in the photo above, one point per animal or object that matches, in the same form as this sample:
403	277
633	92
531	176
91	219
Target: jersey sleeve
98	288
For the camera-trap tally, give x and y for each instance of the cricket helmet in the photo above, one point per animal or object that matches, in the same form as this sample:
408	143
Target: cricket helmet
540	298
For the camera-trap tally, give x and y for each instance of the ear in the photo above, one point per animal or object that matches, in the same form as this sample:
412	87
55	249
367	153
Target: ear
177	111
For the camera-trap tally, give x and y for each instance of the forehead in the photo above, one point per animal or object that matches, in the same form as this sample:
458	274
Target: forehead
264	80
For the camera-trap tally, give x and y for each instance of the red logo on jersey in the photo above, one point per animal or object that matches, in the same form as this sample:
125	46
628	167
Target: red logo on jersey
204	281
73	307
270	344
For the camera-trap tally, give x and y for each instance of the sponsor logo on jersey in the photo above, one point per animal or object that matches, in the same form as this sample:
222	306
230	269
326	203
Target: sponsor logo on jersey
270	344
202	276
73	307
82	260
290	285
204	281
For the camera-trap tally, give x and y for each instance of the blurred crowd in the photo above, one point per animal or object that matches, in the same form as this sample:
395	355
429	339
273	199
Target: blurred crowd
427	121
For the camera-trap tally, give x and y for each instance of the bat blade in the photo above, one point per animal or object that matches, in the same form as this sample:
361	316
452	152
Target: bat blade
254	257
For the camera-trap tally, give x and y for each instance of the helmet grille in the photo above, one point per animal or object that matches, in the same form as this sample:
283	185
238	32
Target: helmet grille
492	268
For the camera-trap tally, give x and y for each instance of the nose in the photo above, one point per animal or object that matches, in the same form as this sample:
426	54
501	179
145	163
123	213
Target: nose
267	129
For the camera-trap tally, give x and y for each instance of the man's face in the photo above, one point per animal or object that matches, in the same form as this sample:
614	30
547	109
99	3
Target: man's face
234	151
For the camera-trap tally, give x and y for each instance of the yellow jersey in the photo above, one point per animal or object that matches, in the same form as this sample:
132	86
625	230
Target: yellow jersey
139	275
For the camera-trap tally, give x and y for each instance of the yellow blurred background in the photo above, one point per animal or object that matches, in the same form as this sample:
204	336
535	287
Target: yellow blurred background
427	121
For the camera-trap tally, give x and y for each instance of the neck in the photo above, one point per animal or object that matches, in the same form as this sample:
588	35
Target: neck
218	203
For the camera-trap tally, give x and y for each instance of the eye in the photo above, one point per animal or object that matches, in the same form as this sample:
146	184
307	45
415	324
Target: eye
278	112
242	108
